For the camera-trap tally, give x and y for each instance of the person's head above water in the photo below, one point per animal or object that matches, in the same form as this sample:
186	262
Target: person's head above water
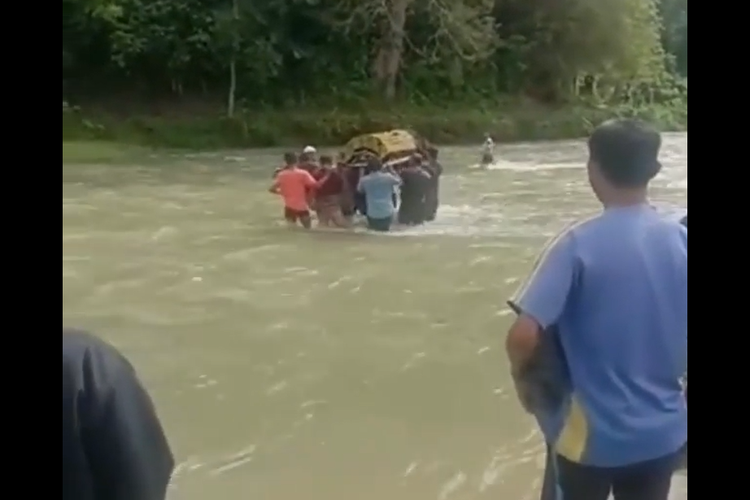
326	161
623	158
373	165
290	159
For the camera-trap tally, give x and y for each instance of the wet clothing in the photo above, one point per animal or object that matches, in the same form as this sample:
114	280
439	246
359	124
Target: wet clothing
357	202
382	225
114	447
294	185
623	272
328	193
360	203
648	480
488	151
308	167
378	188
415	184
488	148
292	215
432	196
333	185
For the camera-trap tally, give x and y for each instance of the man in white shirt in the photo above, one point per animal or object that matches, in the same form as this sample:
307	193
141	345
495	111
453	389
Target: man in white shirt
488	150
311	153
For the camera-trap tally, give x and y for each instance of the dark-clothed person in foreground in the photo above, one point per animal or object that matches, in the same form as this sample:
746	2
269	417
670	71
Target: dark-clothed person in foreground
614	289
114	447
432	198
415	184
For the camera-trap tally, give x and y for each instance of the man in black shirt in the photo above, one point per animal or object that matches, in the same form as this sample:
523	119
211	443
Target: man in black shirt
114	447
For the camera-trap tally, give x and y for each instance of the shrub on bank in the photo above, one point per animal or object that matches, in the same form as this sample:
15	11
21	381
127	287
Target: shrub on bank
507	122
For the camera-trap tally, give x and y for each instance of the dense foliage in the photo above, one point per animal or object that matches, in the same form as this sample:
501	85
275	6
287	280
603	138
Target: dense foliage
280	52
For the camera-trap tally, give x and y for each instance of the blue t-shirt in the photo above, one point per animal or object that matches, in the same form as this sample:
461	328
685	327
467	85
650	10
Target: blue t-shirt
378	189
615	287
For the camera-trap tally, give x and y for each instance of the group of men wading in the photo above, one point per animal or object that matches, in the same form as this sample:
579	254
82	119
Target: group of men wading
609	293
336	192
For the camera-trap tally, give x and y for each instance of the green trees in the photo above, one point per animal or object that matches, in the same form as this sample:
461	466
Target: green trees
277	52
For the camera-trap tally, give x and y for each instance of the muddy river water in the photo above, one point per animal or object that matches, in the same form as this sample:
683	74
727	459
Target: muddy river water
325	366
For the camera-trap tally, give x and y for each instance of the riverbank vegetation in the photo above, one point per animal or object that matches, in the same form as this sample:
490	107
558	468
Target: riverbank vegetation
235	73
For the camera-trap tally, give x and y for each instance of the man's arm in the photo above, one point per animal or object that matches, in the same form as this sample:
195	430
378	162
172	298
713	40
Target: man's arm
323	179
274	189
310	182
124	441
395	179
361	184
541	301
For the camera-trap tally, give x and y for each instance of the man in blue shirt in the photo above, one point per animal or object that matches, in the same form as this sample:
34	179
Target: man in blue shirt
614	287
378	187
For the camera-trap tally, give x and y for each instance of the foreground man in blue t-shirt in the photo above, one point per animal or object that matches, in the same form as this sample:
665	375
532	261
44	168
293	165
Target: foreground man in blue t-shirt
615	288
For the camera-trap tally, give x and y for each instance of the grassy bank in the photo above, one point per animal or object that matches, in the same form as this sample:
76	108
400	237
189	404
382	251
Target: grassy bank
451	124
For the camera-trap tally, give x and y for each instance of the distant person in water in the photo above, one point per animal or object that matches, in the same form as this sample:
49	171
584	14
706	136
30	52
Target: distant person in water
113	444
623	425
378	186
488	151
416	182
432	196
296	186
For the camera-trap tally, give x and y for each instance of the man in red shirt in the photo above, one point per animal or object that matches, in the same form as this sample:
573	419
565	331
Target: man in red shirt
295	186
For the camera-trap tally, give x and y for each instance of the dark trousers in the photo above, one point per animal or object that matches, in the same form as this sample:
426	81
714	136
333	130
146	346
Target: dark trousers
650	480
360	203
379	225
432	201
411	211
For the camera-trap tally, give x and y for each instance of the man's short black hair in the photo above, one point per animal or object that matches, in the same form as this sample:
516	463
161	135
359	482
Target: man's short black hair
373	165
290	158
626	152
326	160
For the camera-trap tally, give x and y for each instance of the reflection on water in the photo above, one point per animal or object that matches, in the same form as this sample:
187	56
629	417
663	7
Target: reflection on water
337	366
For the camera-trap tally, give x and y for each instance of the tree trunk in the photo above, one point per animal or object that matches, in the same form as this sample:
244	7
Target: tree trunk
233	62
388	60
